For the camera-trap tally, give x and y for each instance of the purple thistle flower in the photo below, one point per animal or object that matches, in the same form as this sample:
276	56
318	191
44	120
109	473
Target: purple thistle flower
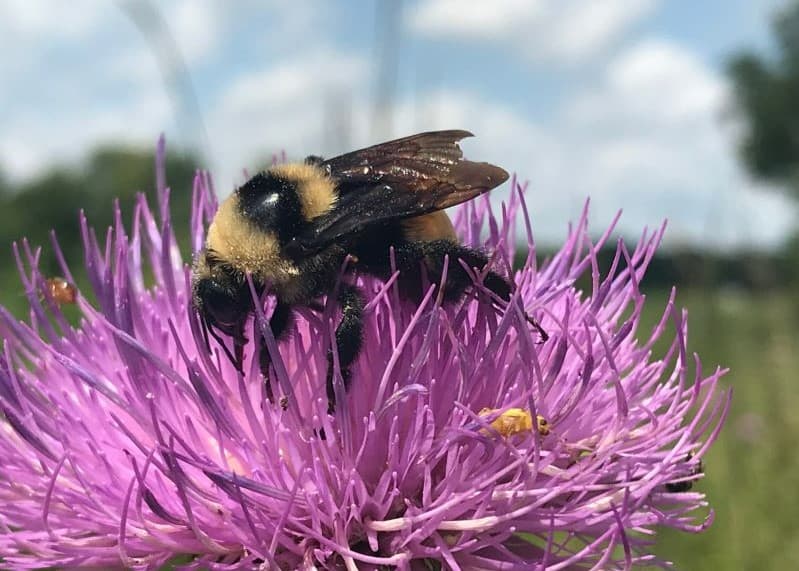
125	443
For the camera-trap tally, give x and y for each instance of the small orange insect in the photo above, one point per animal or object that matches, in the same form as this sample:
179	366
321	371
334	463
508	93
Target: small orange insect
61	291
516	420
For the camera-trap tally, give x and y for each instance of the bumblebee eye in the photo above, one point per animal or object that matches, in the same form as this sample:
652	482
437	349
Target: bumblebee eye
223	307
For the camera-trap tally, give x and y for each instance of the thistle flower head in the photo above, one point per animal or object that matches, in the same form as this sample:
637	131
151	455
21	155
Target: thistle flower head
462	441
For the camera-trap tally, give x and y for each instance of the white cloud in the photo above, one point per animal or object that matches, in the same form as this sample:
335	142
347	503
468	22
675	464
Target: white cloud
292	82
654	82
84	75
567	30
196	26
645	135
28	144
648	139
653	141
23	19
281	107
87	74
78	77
483	20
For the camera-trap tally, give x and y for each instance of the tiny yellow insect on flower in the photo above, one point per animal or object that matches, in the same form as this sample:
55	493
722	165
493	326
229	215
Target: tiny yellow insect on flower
516	420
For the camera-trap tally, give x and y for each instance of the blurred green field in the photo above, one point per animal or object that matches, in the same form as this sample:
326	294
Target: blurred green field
751	472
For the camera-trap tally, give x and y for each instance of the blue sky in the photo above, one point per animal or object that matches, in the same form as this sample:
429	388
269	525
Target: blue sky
624	101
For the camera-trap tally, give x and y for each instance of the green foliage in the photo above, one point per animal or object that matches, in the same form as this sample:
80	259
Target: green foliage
54	199
751	470
3	184
766	94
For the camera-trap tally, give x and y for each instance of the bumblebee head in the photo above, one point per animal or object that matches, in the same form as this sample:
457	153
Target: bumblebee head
221	296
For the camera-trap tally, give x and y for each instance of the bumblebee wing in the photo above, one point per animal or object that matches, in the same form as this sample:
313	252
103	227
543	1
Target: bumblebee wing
430	164
399	179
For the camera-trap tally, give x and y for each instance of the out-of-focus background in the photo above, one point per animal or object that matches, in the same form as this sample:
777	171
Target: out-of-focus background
666	109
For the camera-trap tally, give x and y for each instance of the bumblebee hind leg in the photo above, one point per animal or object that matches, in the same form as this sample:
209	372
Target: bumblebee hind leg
458	279
432	254
349	338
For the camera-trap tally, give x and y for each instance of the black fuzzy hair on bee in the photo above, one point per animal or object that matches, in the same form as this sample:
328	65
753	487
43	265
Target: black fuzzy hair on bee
291	228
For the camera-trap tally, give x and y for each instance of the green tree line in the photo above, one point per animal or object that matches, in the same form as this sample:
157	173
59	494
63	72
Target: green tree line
54	199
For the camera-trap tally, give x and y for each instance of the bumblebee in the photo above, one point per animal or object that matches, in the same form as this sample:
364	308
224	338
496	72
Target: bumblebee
292	227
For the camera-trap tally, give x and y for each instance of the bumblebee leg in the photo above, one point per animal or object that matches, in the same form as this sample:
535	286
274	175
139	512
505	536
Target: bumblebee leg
279	323
413	254
458	278
349	337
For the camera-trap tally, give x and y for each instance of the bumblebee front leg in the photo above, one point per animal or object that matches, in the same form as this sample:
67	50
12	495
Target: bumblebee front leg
349	338
279	322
